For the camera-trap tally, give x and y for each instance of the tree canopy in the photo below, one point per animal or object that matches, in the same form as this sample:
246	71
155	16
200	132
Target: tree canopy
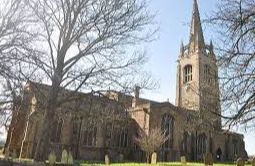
234	20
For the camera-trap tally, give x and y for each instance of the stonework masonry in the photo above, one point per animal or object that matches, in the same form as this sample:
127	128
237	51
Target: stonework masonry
193	124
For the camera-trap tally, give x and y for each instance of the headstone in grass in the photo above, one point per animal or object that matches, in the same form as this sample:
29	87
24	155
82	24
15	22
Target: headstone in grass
7	153
64	157
240	162
154	158
183	160
107	160
70	159
253	162
52	158
208	159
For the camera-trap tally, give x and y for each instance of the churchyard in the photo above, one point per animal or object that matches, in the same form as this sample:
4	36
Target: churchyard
67	160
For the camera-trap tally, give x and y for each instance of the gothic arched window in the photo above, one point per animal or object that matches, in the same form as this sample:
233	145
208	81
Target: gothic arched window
76	130
209	74
185	142
109	135
201	144
57	130
187	73
235	147
167	126
89	136
122	138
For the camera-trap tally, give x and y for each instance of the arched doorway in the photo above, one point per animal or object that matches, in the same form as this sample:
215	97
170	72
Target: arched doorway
219	154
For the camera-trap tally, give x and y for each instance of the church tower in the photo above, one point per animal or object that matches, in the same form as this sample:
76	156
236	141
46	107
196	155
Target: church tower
197	74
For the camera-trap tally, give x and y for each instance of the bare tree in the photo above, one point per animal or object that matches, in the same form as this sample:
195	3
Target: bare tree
15	37
150	142
84	45
237	59
15	42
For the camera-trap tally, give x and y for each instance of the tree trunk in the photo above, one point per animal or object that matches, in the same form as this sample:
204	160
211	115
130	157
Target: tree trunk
42	148
44	132
46	127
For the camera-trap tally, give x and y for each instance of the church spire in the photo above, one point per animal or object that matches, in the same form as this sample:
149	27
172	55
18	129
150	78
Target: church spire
196	42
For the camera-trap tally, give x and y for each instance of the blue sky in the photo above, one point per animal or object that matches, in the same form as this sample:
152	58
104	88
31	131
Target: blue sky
173	18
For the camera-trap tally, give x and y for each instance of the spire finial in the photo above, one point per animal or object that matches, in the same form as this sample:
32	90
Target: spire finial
196	31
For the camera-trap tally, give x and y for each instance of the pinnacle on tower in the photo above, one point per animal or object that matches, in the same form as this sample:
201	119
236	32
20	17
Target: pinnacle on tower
211	50
182	49
196	42
211	46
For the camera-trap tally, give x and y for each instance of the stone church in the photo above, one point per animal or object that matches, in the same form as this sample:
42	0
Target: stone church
193	123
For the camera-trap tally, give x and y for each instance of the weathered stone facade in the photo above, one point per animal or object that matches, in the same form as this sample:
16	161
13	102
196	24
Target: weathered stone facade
193	125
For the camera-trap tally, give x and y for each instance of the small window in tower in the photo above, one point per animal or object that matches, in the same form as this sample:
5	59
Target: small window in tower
187	73
209	74
206	69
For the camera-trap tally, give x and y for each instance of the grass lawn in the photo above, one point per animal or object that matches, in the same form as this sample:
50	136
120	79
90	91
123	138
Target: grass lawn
160	164
84	163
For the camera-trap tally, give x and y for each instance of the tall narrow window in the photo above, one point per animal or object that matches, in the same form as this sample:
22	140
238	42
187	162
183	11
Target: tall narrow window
76	131
56	132
122	138
207	73
201	144
90	137
187	73
59	130
185	142
167	123
235	147
109	137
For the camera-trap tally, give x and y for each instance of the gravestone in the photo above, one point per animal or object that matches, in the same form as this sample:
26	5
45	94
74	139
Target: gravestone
52	158
183	160
7	153
107	160
240	162
208	159
253	162
64	157
154	158
70	159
